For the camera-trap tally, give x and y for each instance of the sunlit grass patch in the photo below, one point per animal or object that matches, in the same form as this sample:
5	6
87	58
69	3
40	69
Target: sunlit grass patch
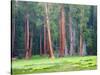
43	64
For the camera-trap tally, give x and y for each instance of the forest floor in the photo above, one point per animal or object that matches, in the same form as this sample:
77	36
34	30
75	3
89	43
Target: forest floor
38	64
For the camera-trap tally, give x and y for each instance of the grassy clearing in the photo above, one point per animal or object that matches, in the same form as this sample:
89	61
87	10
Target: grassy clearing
39	64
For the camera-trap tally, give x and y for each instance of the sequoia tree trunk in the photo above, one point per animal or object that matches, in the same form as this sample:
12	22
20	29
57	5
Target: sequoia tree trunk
48	32
26	36
30	44
62	32
41	41
45	38
81	44
71	34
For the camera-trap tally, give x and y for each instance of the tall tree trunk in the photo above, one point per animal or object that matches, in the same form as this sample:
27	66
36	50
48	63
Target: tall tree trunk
48	31
84	48
71	34
66	49
81	44
30	44
45	38
77	37
26	36
41	41
74	42
62	32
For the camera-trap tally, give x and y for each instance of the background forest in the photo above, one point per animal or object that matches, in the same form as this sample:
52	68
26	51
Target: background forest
52	30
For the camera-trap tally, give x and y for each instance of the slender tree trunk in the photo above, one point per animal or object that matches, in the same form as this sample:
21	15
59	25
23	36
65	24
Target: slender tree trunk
45	38
40	41
66	49
47	45
74	42
84	48
48	31
26	36
81	44
62	32
77	37
30	45
71	34
70	29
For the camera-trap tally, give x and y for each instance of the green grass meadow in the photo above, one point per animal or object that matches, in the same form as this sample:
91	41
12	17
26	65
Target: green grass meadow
43	64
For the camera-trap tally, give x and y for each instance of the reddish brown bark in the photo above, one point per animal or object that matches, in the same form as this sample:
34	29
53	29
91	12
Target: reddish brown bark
26	36
62	32
48	32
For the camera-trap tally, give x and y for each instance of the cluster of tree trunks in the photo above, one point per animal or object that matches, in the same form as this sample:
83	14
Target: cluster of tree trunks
47	50
47	36
49	42
28	38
